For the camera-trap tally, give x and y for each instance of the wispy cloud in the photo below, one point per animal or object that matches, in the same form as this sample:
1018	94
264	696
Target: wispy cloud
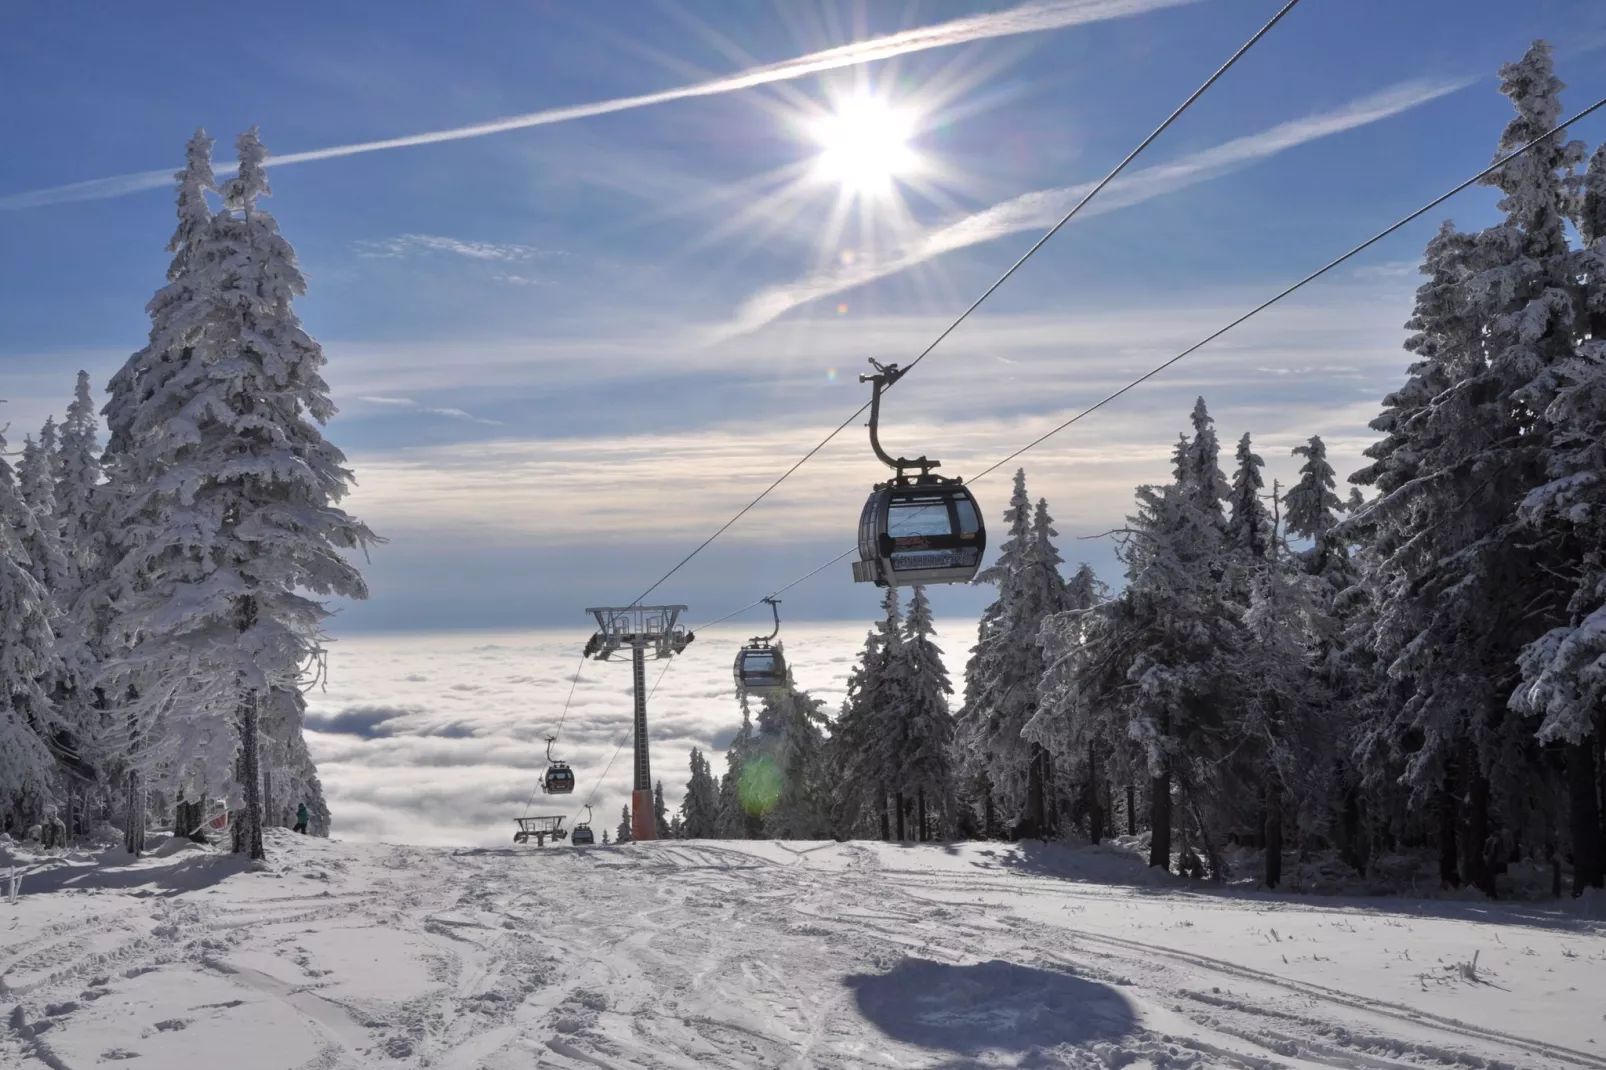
521	280
410	244
410	405
1041	209
1027	18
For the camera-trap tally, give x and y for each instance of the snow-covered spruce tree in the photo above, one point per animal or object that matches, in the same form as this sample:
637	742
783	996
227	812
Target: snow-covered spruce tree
228	495
1090	747
1249	530
866	740
622	833
660	811
1006	664
736	820
699	810
791	737
27	718
1465	585
1564	671
287	765
927	753
177	311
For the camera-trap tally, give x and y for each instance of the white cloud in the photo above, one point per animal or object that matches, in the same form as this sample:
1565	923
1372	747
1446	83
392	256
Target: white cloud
409	405
1027	18
466	715
408	244
681	483
1043	208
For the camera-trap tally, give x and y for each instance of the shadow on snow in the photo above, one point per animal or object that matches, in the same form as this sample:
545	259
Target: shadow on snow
990	1007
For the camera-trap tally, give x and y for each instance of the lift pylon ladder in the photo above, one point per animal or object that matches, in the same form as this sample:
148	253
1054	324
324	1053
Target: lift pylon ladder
640	628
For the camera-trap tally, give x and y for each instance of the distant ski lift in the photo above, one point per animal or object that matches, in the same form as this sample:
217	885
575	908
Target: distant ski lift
915	529
539	829
559	778
760	665
582	836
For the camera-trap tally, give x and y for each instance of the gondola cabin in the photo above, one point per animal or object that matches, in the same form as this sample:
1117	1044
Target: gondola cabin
760	668
581	836
919	531
559	779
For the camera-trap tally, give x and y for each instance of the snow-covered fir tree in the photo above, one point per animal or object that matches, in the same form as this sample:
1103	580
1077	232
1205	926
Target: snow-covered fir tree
622	833
228	491
791	741
699	810
737	820
660	811
27	717
926	762
1006	664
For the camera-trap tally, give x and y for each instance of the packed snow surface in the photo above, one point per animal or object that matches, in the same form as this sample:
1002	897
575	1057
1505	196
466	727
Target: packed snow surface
765	954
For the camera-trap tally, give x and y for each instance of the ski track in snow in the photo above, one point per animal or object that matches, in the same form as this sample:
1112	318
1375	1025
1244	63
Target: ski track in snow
764	954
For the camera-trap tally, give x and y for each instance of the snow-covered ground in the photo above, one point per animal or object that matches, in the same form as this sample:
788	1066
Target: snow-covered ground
763	954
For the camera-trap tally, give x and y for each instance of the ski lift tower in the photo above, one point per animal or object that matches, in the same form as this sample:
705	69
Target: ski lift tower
640	628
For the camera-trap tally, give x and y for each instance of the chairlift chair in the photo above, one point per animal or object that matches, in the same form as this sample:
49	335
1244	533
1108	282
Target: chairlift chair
558	778
539	829
915	528
582	835
760	665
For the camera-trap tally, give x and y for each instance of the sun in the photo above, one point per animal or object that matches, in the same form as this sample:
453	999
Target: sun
864	144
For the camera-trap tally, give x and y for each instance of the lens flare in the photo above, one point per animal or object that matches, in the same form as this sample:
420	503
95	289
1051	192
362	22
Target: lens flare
759	787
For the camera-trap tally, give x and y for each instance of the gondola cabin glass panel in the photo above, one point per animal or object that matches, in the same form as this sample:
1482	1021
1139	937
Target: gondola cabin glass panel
559	779
760	669
920	533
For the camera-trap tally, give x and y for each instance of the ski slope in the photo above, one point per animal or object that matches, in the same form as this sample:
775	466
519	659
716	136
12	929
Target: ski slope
764	954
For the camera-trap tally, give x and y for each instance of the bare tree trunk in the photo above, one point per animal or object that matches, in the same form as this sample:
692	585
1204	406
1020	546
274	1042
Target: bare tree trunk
1160	821
1449	871
1274	830
886	832
988	818
134	814
1478	872
249	839
921	799
1095	811
1584	811
899	798
268	820
1131	810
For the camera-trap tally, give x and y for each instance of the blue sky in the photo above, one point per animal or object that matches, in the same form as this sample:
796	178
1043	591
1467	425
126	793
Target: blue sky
565	353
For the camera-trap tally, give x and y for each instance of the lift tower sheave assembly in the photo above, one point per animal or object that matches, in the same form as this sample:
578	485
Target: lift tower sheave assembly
640	628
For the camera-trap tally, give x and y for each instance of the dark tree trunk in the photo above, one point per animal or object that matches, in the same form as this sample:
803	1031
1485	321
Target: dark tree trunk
1095	809
249	840
268	820
1449	870
924	833
1353	854
1160	821
1478	872
1584	811
1274	831
989	820
134	815
1600	771
1131	810
1036	812
886	829
900	816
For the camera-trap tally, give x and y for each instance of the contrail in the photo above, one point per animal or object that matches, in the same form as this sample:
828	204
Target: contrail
1033	211
1027	18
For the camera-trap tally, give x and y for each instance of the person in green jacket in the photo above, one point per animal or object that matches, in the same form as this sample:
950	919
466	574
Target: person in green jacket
301	819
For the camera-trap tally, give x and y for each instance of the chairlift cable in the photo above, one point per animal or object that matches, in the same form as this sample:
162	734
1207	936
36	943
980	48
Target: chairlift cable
1016	266
1157	369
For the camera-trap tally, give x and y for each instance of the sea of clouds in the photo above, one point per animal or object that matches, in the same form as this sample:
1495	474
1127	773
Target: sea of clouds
439	738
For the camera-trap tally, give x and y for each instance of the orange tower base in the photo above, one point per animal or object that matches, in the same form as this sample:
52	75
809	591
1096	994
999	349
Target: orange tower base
643	824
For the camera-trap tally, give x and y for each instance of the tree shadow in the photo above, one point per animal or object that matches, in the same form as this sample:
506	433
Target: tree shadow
118	872
1112	866
990	1007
